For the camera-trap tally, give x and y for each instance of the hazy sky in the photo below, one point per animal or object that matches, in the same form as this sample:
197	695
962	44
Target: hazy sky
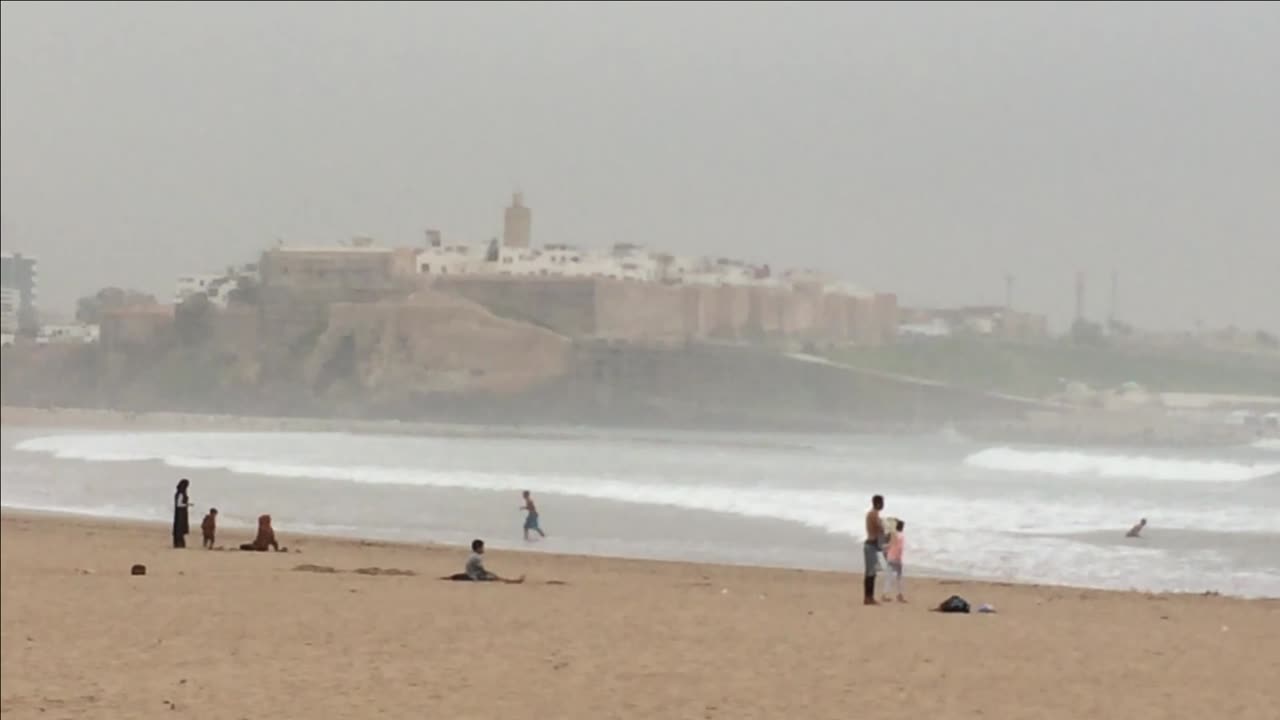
922	149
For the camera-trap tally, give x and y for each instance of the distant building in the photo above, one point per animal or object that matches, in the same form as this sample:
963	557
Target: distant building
10	304
76	333
18	273
718	272
990	321
440	259
338	267
218	287
623	262
189	285
517	224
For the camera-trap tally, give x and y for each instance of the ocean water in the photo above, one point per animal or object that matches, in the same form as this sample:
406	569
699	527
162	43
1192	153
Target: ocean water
1019	513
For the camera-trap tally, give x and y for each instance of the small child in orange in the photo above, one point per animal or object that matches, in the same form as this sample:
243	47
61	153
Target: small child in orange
209	527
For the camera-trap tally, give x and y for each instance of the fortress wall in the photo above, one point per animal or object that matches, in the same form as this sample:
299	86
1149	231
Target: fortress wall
564	305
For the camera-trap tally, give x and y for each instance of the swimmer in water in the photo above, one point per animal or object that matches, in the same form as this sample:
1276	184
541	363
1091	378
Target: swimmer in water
1136	530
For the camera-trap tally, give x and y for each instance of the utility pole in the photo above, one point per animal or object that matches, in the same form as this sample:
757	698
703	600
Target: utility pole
1079	296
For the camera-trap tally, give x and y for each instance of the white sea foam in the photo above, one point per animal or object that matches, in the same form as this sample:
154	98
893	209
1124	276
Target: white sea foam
831	509
1065	462
975	515
1272	444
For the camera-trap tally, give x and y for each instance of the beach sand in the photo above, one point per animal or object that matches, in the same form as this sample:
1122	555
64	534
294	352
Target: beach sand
249	635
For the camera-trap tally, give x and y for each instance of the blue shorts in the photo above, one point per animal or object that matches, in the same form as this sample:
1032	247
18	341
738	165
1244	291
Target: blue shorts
871	557
531	522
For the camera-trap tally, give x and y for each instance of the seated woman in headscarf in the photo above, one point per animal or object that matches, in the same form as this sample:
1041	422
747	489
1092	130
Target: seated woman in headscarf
266	538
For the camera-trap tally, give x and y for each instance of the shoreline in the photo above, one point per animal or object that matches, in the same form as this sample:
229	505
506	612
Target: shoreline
301	539
349	628
831	551
1039	429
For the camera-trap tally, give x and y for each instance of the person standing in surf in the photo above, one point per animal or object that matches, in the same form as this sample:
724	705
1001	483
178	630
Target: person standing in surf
181	523
871	550
531	519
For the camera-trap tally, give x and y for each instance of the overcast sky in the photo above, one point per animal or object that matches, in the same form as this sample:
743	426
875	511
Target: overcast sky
916	148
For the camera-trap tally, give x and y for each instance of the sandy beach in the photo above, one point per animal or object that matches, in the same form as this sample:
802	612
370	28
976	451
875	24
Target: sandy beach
240	635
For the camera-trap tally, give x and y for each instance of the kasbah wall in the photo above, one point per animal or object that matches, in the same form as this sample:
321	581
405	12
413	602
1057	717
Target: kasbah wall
653	313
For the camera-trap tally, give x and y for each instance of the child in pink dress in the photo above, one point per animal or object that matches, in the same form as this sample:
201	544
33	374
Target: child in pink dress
893	554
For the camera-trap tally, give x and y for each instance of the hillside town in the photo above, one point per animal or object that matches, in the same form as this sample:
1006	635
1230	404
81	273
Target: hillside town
735	299
442	318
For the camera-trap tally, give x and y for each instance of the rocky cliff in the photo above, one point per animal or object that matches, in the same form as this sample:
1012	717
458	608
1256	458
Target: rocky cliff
431	343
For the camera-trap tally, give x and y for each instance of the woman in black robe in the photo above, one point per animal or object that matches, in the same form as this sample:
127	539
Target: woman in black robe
181	525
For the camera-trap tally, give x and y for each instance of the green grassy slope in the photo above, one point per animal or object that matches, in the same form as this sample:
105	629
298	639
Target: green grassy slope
1036	370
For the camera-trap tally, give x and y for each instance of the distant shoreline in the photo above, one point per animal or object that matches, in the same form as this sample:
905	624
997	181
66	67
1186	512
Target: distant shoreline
1079	430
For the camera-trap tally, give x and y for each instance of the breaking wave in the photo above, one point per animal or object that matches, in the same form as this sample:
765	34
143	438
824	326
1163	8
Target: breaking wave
834	508
1066	462
1272	444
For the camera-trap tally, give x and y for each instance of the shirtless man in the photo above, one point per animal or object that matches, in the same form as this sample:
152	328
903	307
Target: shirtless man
871	550
531	520
1136	530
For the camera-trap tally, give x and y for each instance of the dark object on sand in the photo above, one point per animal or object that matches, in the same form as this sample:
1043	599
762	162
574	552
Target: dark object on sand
138	570
954	604
384	571
463	577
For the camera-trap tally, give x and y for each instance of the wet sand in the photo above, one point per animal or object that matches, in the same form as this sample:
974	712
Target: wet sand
247	635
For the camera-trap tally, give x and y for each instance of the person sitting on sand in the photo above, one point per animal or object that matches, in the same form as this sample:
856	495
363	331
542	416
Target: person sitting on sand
266	538
1136	530
209	527
531	520
476	571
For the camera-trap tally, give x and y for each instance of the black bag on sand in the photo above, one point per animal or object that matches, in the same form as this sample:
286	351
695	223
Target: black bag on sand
954	604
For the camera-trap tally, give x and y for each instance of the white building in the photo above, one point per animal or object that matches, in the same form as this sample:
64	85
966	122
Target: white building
217	286
622	261
635	262
74	333
721	272
570	261
453	260
189	285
